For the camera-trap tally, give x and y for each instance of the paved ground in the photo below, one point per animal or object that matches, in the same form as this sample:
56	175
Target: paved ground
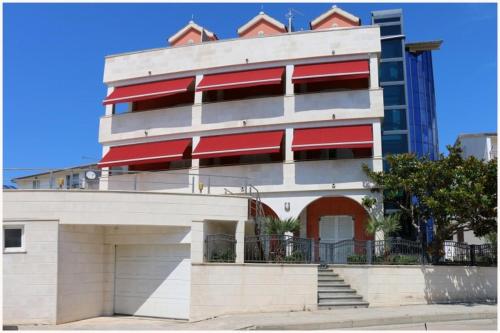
460	325
374	318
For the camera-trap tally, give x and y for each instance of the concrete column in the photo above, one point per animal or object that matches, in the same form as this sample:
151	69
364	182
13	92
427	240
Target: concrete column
198	95
240	242
288	144
374	71
288	80
197	241
103	180
109	109
377	146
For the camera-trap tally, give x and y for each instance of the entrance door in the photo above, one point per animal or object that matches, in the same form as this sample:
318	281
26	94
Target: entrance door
153	280
333	229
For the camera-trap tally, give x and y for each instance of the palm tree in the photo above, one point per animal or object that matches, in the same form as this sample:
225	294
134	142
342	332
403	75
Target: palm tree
277	226
388	224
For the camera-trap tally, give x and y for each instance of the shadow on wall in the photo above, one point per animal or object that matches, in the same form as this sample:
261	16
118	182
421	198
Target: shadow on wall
243	110
446	284
333	100
162	118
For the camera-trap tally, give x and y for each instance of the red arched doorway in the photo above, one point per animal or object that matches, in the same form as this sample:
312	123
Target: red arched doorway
336	206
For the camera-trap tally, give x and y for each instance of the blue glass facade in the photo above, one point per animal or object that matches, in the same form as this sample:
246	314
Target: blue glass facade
421	104
410	123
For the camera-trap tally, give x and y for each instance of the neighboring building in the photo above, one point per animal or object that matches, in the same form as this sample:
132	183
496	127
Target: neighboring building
406	74
482	146
69	178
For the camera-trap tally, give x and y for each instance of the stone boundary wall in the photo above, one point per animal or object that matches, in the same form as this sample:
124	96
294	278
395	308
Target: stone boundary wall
238	288
386	285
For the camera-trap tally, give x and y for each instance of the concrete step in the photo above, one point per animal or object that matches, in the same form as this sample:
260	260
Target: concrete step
330	279
331	289
332	284
347	298
343	305
327	274
327	294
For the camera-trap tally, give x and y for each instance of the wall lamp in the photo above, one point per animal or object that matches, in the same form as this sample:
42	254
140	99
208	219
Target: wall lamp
287	206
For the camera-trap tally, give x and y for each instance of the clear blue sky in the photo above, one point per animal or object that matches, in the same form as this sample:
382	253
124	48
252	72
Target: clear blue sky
54	60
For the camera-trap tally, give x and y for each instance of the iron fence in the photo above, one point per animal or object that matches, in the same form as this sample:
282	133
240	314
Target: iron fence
278	249
456	253
220	248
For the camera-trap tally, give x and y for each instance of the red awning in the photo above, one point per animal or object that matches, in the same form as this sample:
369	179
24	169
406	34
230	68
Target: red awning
138	92
239	144
331	71
332	137
145	153
232	80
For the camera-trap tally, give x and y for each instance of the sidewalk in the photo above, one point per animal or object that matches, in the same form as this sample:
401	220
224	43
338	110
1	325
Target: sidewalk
308	320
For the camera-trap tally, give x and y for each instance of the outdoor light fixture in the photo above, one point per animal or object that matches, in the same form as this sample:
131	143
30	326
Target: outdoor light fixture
200	186
244	122
333	185
333	115
149	72
287	206
333	52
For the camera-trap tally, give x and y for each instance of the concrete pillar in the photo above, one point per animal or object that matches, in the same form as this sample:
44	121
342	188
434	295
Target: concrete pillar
103	180
240	242
374	71
197	241
109	109
377	146
288	144
288	80
198	95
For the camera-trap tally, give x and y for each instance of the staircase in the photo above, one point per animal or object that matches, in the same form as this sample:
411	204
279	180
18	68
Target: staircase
334	293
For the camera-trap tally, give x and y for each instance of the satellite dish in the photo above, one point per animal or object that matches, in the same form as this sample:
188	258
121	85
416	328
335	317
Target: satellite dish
90	175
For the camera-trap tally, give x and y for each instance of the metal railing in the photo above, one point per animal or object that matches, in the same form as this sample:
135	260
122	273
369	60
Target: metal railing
278	249
178	181
456	253
220	248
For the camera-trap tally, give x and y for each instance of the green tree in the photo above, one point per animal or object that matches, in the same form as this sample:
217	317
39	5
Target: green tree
276	226
457	193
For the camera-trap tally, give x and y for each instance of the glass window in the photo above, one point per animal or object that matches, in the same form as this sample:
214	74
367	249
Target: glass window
394	120
390	30
391	71
394	144
36	183
392	48
394	95
13	238
386	19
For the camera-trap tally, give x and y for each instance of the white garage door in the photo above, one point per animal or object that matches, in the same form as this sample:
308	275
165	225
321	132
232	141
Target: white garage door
153	280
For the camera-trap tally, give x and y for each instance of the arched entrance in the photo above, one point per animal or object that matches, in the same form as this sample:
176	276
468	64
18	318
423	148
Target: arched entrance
336	218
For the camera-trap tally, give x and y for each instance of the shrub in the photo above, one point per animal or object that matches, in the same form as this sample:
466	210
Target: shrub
225	255
356	259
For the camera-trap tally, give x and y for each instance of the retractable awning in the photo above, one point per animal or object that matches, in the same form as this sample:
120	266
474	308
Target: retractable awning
241	79
332	137
239	144
144	153
139	92
331	71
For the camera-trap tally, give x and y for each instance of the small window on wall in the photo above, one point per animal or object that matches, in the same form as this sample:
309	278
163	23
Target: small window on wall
394	95
391	71
13	238
36	183
332	154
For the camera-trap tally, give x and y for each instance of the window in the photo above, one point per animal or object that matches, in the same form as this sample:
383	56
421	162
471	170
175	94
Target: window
260	33
391	71
75	180
392	48
241	160
394	120
243	93
390	30
386	19
13	238
394	144
334	85
36	183
331	154
394	95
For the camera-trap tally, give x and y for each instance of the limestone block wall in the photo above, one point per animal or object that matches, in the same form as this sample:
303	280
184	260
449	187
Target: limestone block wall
30	277
238	288
405	285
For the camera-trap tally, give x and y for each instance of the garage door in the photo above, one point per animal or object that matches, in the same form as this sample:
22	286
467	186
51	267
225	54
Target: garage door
153	280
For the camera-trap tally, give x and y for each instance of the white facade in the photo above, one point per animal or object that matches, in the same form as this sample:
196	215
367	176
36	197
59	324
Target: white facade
136	246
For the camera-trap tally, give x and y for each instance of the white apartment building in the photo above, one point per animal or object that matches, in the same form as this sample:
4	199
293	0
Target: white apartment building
194	134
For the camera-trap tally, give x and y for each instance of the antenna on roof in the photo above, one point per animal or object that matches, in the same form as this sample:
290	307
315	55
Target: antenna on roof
290	15
192	17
